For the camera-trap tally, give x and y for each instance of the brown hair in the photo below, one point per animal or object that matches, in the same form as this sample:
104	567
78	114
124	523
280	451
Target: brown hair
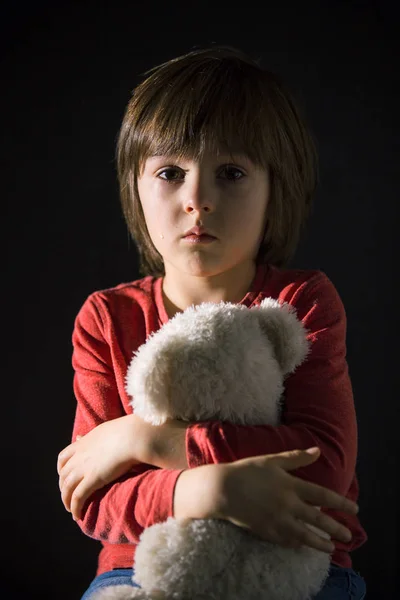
219	97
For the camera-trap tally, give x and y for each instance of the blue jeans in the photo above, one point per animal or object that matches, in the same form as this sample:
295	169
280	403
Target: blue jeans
342	584
114	577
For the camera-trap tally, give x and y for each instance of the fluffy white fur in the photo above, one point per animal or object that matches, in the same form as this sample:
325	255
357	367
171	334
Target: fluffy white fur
226	362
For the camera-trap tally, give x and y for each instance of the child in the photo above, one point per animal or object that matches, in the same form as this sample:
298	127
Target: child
217	172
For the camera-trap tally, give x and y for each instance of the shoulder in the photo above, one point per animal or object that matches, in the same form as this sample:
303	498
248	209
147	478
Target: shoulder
310	291
290	282
139	292
122	303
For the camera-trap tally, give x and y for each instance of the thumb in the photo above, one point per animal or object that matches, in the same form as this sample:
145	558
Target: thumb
294	459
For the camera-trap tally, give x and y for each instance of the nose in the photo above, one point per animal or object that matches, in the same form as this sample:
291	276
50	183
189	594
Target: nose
199	197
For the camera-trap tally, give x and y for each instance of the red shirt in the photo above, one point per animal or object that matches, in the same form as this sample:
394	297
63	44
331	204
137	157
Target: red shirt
318	405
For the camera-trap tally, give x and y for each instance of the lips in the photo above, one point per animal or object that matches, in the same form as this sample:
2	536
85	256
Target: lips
198	232
199	239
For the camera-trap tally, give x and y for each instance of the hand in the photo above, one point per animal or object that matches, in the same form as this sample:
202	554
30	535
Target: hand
260	495
100	457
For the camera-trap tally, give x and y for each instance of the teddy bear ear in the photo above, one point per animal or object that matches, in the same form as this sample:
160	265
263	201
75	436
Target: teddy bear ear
285	331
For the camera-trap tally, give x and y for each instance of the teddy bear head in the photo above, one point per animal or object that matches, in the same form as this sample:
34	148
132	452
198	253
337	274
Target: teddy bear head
219	361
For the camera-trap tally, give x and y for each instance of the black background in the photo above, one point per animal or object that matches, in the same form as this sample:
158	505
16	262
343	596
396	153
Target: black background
67	71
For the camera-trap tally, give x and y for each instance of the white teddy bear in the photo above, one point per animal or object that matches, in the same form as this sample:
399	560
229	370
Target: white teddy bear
218	362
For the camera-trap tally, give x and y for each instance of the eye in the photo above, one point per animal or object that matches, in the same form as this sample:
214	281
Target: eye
232	173
171	174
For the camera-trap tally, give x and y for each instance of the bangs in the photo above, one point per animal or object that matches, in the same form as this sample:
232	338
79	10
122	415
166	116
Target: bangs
220	107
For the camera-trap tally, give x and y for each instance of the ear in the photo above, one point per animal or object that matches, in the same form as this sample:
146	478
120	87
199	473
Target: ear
285	331
147	380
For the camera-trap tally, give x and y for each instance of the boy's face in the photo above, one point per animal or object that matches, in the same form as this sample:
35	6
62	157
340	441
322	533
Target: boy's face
227	195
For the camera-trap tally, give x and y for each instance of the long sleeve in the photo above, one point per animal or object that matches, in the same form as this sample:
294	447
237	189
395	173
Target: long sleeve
318	404
119	512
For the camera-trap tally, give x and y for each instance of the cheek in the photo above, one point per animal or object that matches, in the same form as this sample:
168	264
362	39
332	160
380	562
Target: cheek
161	225
157	227
258	205
153	208
250	211
250	218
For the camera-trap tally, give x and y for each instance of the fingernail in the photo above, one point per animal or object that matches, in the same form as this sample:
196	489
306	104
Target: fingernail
312	450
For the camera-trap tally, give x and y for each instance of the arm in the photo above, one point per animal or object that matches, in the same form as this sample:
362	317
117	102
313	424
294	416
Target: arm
319	407
108	452
118	512
260	495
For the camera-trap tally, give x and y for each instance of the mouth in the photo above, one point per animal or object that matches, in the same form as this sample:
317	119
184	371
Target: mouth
204	238
198	231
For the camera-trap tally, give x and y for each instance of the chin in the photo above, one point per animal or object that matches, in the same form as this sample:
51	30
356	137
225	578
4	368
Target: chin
199	264
204	272
210	268
198	267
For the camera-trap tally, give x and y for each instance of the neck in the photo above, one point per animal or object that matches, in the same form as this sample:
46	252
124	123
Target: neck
182	290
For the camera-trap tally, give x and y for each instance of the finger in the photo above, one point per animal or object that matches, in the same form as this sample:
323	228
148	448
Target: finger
320	496
294	459
69	485
290	533
65	471
79	496
306	537
325	523
64	456
284	535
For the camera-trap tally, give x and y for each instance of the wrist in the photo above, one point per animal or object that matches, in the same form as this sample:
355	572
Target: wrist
140	435
198	493
167	445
